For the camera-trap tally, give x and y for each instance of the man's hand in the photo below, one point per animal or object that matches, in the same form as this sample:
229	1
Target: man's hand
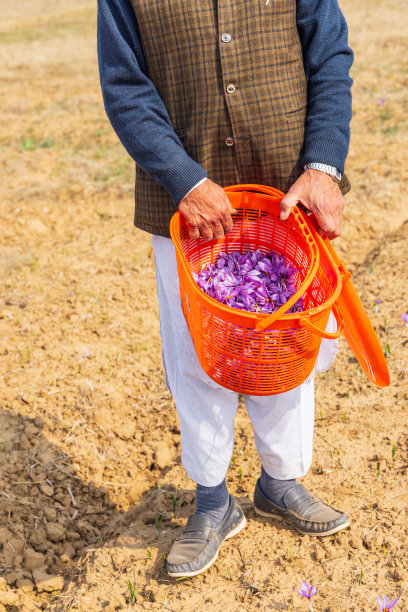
207	211
322	196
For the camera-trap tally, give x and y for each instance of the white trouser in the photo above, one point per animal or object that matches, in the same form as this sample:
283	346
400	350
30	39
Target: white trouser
283	424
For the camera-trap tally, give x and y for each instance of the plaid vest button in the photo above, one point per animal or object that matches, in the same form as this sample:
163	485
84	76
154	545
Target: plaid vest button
229	141
231	88
226	37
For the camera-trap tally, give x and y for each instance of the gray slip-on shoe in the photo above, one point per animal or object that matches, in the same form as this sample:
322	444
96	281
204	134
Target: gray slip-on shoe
303	511
196	548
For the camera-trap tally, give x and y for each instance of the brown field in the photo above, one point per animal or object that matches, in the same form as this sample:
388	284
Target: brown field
92	490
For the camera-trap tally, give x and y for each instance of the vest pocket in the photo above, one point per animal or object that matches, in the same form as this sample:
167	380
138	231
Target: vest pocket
296	114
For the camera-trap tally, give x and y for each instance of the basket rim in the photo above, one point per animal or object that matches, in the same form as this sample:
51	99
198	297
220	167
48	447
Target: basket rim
256	316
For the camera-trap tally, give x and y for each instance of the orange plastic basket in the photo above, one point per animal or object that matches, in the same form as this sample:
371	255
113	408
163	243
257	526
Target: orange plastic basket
254	353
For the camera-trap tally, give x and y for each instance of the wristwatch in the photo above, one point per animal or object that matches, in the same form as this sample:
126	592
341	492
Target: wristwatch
330	170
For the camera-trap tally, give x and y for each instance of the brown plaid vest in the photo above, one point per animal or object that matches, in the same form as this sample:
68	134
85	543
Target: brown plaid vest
231	75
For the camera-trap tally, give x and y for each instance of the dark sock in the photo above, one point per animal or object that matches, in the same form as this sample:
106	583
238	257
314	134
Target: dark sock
275	489
213	501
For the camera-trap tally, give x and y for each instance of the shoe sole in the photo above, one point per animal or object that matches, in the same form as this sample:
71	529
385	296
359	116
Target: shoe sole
310	533
231	534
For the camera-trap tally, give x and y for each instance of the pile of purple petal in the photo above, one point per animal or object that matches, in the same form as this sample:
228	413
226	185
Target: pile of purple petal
252	281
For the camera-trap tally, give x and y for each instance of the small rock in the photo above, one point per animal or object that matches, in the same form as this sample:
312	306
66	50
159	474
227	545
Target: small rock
33	559
55	531
47	582
64	559
8	598
46	489
163	457
11	577
50	514
25	585
166	516
3	584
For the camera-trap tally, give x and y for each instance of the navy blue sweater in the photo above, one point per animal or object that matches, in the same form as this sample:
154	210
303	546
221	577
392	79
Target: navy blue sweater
140	119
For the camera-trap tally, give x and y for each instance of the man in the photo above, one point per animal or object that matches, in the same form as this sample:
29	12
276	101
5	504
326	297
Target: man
204	94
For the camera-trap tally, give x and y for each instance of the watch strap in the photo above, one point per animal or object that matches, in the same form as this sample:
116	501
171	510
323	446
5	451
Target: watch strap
330	170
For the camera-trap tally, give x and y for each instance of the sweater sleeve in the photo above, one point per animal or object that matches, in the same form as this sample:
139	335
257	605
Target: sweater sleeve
327	60
133	105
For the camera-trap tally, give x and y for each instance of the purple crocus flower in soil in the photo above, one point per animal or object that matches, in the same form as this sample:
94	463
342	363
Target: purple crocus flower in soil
308	592
384	604
404	317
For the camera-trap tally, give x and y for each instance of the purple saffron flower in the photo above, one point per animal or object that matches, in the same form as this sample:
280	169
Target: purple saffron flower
378	301
252	281
404	317
385	605
381	101
307	591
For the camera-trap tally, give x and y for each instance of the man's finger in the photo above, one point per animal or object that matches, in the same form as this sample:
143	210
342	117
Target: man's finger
328	227
227	225
218	230
287	203
206	232
193	232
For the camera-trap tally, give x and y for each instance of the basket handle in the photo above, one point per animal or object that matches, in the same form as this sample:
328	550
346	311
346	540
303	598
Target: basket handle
258	188
265	189
307	324
265	323
269	321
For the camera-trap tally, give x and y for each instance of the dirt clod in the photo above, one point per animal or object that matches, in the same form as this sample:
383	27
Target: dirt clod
47	582
25	585
33	559
46	489
8	598
163	456
55	531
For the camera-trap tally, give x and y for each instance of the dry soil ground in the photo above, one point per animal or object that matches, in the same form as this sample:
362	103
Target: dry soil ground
92	491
